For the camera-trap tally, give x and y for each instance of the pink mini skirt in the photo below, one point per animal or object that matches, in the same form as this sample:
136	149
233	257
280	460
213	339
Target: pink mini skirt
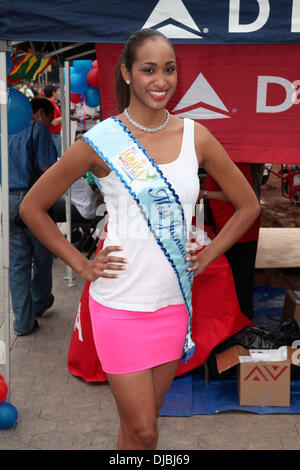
131	341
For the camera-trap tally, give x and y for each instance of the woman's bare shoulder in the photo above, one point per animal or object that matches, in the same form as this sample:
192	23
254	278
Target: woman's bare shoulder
202	139
201	132
177	122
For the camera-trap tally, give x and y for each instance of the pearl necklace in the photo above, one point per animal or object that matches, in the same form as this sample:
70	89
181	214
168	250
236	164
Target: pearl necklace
147	129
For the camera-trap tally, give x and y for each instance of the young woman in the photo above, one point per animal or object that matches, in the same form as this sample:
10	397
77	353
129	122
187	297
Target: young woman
146	162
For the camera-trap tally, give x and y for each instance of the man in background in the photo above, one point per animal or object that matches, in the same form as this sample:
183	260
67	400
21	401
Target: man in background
51	93
30	261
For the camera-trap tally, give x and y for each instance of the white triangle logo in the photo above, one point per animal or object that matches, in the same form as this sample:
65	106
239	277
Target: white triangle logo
201	93
174	12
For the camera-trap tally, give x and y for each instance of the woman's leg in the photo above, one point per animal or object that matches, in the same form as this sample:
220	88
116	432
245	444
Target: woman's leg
162	379
135	398
139	397
163	376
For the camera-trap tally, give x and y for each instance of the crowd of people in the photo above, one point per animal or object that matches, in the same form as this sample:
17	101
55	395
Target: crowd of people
85	116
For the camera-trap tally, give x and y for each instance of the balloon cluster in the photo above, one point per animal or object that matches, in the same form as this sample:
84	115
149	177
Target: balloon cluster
19	110
84	82
8	413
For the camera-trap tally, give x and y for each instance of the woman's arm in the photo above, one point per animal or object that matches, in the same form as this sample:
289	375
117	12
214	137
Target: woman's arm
75	162
218	195
237	190
56	121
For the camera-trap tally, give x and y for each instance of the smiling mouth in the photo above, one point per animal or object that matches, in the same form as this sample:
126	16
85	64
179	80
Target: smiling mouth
158	94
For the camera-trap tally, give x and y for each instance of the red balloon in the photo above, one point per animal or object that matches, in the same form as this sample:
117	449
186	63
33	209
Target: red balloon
95	64
92	78
74	97
3	389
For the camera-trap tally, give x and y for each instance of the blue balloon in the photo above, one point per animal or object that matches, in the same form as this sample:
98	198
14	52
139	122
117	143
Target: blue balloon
78	83
82	66
92	97
19	111
8	415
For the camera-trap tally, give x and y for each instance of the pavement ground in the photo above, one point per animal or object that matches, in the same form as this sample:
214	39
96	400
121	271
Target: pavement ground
57	411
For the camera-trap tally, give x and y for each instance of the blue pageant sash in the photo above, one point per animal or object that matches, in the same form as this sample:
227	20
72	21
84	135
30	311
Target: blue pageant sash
155	197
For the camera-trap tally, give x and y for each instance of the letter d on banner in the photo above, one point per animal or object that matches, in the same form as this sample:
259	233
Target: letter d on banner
262	86
234	17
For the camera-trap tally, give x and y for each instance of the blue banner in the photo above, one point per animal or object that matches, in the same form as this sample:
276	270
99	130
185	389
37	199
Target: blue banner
183	21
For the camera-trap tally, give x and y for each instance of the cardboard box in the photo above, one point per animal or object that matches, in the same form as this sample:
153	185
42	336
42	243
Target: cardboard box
291	306
261	381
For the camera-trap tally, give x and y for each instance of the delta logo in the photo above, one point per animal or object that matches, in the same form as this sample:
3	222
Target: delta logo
172	19
202	102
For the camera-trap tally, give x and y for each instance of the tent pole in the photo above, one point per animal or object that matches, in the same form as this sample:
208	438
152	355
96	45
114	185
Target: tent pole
66	142
5	208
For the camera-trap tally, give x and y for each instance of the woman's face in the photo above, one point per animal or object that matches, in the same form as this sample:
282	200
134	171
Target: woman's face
153	76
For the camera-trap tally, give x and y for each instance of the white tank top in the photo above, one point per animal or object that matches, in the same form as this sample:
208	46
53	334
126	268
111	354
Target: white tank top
148	282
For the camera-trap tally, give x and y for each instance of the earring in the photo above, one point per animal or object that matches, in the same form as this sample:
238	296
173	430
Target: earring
128	82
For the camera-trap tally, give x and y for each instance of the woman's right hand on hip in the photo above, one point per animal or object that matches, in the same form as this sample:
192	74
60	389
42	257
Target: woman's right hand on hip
103	261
